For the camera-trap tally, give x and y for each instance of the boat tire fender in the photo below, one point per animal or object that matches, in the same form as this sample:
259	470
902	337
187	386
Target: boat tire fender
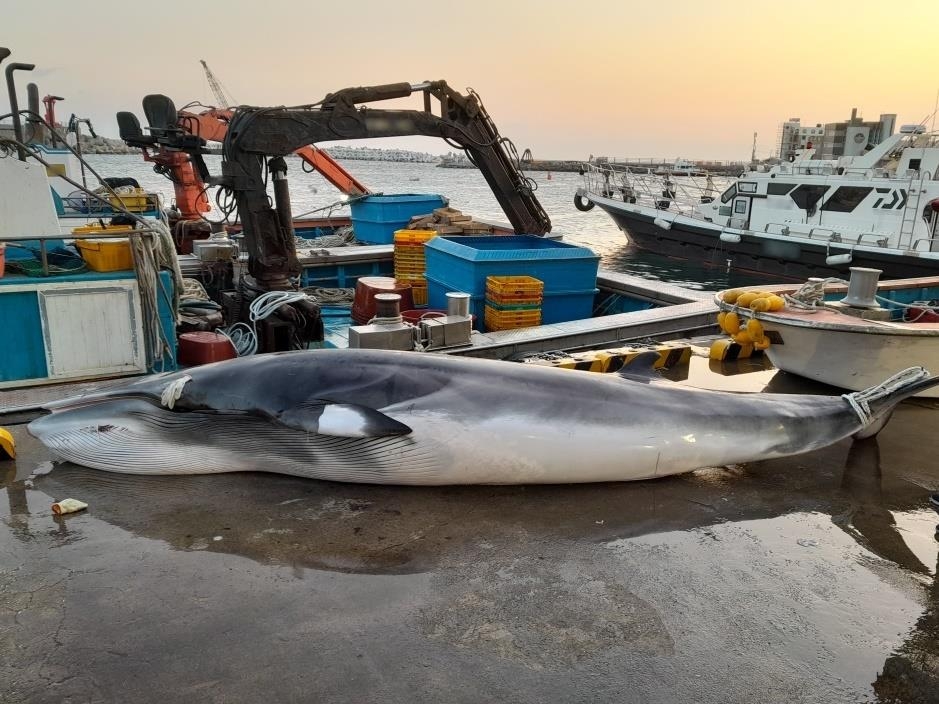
583	204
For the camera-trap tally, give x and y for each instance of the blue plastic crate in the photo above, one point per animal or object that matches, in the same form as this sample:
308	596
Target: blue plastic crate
375	218
569	272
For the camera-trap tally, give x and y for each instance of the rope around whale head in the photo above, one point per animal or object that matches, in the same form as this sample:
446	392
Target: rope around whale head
860	400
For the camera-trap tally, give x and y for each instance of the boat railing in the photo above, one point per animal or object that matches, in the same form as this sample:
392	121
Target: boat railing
933	242
807	169
676	192
43	239
827	234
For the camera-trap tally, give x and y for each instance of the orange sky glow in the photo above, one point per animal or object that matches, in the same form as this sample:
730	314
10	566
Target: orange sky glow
682	78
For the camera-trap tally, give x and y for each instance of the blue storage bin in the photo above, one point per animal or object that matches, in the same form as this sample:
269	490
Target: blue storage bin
462	264
375	218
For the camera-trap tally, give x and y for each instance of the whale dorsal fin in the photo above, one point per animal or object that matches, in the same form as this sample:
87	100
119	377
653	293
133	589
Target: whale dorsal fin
346	420
641	368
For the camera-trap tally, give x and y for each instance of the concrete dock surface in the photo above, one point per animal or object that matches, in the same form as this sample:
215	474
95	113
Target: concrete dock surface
806	579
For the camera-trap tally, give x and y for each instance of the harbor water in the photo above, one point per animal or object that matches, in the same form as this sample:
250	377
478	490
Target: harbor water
469	192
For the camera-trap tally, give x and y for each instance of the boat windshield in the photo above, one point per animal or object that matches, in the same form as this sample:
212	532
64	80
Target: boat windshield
729	193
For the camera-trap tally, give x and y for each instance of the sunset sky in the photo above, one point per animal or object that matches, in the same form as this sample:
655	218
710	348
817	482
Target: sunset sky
666	79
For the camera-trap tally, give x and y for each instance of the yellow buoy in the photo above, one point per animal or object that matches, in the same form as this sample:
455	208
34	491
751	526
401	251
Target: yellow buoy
743	338
744	299
755	330
720	320
762	343
731	295
731	323
776	302
759	305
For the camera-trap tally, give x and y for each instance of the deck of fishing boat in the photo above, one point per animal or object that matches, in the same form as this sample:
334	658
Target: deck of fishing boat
677	311
528	594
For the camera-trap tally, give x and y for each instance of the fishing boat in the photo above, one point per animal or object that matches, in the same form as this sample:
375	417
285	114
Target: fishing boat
808	217
681	167
852	336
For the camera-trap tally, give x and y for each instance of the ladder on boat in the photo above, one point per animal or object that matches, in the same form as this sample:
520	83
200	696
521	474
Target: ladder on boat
911	211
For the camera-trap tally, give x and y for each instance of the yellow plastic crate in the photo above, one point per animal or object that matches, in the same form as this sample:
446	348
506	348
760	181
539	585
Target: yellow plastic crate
514	286
419	294
106	255
136	202
413	237
98	229
510	320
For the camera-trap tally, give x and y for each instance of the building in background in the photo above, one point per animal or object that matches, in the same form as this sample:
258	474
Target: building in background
854	137
793	136
832	140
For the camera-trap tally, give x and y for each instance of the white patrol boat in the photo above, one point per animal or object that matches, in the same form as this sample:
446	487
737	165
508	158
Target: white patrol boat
808	217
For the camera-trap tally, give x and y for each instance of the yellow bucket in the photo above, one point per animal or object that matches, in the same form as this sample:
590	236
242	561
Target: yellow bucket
106	255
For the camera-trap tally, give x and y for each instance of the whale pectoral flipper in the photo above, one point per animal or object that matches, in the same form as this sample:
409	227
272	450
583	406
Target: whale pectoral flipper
346	420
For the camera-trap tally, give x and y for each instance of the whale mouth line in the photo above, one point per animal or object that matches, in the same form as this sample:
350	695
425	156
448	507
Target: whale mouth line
81	402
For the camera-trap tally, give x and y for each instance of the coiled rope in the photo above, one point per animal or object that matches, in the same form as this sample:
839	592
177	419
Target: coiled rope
243	337
811	294
860	400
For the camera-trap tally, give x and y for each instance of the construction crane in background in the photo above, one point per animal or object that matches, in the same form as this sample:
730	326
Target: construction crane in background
216	87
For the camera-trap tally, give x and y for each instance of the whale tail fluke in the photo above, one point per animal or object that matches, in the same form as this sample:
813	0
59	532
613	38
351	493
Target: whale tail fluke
875	405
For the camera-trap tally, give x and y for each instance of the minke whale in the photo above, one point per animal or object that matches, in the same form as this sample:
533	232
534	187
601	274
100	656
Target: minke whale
384	417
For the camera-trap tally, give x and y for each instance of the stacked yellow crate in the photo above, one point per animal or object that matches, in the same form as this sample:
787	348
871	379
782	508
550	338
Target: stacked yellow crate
513	302
410	263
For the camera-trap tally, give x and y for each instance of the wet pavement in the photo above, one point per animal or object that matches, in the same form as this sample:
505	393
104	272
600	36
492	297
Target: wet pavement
808	579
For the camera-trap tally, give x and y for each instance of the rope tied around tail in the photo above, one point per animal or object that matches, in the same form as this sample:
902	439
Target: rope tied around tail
860	400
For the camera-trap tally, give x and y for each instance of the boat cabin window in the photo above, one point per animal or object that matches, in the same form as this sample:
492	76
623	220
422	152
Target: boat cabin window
746	187
779	189
806	196
727	195
915	164
846	198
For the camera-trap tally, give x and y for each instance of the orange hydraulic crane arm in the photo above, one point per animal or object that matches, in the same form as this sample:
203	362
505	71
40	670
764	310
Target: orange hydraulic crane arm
212	126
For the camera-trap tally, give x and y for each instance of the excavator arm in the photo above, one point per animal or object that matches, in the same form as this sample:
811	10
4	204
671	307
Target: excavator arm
212	126
256	133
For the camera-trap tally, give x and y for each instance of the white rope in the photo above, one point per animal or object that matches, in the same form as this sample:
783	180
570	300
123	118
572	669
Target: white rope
173	390
150	255
243	337
811	294
860	400
194	290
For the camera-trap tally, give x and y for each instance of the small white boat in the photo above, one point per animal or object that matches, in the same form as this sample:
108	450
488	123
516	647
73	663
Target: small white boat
857	341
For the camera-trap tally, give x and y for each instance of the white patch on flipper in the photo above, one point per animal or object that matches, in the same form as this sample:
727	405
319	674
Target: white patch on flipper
344	421
173	390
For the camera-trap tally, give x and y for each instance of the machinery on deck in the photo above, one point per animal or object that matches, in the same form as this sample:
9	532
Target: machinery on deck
258	133
256	140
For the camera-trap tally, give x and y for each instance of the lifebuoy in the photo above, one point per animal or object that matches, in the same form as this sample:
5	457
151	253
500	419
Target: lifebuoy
583	204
